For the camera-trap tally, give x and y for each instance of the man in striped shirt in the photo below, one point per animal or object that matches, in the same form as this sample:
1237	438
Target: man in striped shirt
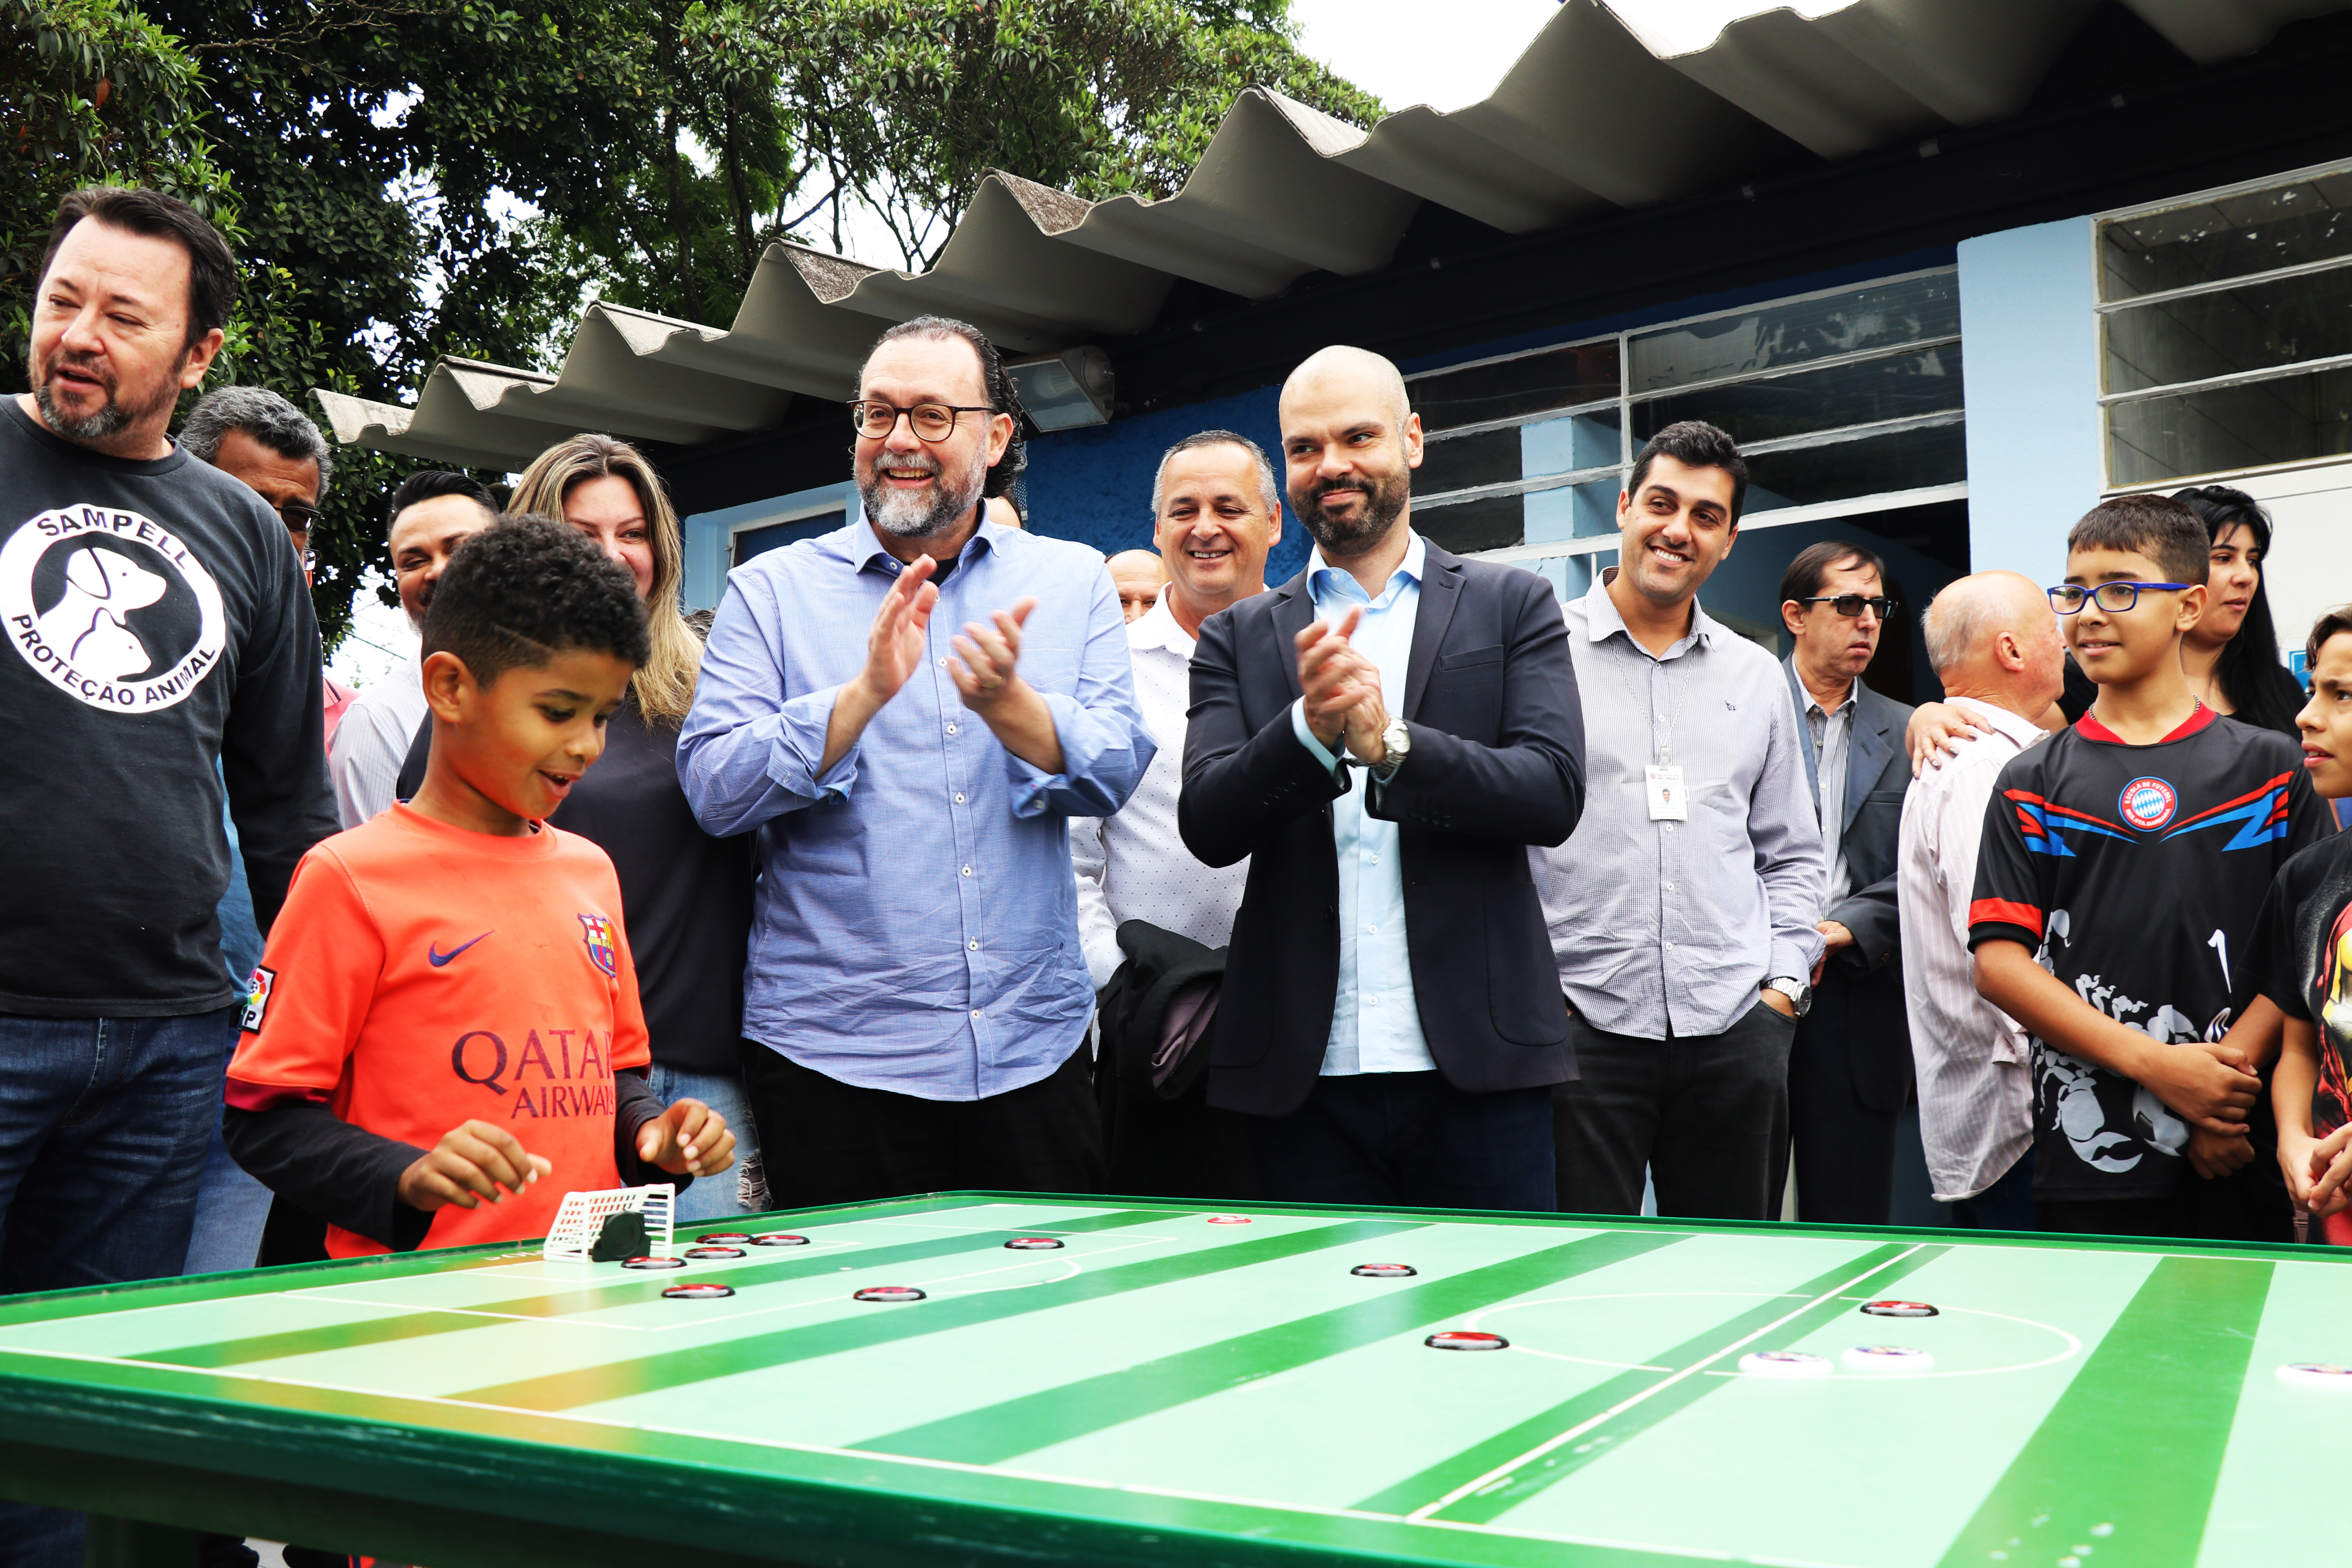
1994	642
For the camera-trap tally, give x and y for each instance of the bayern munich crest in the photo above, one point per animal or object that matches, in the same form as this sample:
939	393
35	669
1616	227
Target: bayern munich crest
2147	804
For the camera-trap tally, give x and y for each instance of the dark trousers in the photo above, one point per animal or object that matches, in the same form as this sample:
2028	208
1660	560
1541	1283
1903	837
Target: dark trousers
2246	1206
1408	1140
1708	1114
825	1141
1843	1102
2007	1204
103	1125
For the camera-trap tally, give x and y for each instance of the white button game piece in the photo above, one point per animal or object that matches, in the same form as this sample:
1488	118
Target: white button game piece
1229	1219
698	1292
1033	1244
1385	1271
1888	1358
653	1263
724	1239
704	1254
1784	1364
887	1293
1898	1310
1466	1340
779	1238
2315	1375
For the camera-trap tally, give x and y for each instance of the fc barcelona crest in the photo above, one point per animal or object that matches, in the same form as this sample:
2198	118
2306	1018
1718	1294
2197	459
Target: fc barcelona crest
597	932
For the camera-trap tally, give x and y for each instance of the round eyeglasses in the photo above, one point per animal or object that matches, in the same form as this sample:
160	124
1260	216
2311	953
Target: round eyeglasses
2113	598
930	421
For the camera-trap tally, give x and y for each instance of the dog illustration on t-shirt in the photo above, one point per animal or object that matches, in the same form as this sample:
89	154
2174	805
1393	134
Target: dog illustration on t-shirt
87	624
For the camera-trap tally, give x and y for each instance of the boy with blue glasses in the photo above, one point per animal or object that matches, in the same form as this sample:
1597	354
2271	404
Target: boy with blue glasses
2124	862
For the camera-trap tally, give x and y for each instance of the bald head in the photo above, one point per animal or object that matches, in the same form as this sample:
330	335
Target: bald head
1992	636
1138	575
1357	377
1349	444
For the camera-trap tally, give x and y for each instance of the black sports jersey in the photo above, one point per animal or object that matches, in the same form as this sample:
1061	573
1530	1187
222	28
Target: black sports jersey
2137	873
2302	946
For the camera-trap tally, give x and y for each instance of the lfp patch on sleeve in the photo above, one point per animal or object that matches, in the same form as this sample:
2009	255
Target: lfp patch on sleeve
256	999
596	931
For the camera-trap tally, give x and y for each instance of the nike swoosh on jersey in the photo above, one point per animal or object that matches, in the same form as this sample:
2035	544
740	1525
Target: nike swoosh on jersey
438	958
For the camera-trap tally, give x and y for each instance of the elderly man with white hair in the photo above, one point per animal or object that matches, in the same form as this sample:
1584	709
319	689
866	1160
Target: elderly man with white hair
1994	642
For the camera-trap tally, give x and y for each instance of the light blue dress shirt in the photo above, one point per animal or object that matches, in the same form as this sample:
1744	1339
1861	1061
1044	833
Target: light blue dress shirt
1375	1018
917	928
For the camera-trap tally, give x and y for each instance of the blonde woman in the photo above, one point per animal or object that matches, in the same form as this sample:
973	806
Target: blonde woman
685	895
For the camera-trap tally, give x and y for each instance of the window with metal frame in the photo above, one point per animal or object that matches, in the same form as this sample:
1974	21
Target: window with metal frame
1846	402
2225	330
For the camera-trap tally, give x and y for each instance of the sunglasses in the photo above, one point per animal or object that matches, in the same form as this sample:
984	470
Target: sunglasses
1851	605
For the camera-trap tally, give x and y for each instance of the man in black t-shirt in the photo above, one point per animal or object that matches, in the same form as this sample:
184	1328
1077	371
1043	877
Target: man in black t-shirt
2123	864
162	649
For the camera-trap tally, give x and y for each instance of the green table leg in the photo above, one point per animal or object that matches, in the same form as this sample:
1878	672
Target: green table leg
113	1543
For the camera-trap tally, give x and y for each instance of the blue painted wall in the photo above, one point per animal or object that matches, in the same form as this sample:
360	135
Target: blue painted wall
2031	373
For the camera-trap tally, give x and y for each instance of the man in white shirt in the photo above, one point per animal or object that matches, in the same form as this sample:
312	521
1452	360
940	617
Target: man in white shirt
1216	516
1995	644
431	514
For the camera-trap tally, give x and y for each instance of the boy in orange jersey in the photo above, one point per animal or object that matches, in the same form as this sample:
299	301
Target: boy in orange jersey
444	1036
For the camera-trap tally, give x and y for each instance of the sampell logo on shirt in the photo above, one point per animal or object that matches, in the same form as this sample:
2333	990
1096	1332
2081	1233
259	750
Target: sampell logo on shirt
2147	804
597	932
111	608
435	956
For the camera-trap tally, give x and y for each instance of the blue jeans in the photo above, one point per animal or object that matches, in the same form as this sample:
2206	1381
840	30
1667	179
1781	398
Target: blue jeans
711	1197
103	1124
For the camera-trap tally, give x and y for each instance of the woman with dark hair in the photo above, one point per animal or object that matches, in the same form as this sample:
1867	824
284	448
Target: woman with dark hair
2231	656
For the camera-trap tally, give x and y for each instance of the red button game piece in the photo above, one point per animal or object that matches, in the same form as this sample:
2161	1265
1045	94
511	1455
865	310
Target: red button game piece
1466	1340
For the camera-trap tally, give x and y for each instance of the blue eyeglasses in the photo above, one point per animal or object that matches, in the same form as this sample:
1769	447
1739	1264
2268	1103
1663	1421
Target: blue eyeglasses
2113	598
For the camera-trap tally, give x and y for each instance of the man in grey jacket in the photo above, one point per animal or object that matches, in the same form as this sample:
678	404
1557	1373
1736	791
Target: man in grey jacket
1852	1062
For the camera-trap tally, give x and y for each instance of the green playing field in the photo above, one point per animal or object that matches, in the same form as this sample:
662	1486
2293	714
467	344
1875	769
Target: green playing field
1170	1386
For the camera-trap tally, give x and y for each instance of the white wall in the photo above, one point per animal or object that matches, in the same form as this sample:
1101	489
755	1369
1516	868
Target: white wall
2310	568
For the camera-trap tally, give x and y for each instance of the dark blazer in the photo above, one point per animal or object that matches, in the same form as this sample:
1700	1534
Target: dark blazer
1877	774
1497	764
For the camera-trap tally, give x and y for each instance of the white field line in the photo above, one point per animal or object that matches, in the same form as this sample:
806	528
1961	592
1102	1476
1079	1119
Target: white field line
1504	1470
1047	1478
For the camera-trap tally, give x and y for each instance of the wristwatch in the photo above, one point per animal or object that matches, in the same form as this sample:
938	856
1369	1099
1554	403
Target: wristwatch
1800	995
1398	741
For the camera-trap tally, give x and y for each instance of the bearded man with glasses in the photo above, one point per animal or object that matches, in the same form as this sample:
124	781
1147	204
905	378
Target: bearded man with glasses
1850	1067
909	710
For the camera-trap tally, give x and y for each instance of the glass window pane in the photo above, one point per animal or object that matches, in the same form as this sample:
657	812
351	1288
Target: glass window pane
1896	388
2282	421
1466	526
1879	315
1558	378
1842	470
2233	238
1487	459
1578	512
2284	322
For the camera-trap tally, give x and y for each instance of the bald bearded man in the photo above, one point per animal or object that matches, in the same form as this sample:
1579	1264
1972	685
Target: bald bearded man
1383	736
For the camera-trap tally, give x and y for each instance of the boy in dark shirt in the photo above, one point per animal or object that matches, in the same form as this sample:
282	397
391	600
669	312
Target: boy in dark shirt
2124	862
2304	945
444	1036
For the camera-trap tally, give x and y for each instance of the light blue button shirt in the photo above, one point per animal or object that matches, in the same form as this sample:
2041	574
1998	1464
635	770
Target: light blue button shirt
1375	1019
915	927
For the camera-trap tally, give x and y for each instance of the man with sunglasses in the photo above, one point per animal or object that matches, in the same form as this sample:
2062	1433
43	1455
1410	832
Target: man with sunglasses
256	436
1851	1065
908	710
2124	863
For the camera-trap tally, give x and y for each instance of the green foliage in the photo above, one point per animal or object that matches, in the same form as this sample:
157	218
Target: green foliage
414	178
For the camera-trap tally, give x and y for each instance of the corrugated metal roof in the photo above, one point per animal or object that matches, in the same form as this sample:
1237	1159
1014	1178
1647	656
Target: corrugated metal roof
1594	115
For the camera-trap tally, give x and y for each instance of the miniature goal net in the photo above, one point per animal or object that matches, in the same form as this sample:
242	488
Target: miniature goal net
581	1219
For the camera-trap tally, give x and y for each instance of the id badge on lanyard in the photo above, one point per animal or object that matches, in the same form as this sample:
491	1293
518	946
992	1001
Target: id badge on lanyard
1664	784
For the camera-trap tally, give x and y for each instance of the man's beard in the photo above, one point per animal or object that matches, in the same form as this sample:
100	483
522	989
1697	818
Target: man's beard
1383	499
109	419
908	514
